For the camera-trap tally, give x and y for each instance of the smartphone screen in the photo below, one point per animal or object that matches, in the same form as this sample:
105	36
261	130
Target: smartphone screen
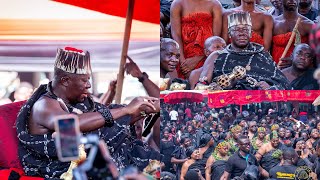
67	139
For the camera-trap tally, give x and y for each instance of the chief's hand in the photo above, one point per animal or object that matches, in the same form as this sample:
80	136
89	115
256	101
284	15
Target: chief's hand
134	108
149	110
132	68
263	85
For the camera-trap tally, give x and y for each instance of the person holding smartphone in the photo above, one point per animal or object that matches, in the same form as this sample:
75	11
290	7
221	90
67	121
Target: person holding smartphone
68	93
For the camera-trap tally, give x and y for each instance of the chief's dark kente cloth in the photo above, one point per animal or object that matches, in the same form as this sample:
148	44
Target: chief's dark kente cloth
38	155
262	67
305	82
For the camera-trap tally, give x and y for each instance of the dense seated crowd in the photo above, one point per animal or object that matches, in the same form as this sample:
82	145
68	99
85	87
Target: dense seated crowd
199	142
271	48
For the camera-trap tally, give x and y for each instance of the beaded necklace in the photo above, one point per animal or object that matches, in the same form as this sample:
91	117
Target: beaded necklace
242	52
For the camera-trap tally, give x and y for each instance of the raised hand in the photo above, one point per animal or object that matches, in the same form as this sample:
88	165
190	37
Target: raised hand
132	68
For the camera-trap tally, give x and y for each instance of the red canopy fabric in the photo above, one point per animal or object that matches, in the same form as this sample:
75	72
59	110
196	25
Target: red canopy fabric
183	96
221	99
144	10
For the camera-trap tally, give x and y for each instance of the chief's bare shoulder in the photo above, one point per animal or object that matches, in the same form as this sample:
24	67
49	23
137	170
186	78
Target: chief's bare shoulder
44	110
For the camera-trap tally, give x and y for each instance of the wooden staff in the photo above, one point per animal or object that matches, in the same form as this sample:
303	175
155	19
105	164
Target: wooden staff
124	52
291	39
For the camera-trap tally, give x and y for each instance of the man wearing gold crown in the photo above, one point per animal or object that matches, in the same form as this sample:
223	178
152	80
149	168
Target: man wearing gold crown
68	93
257	66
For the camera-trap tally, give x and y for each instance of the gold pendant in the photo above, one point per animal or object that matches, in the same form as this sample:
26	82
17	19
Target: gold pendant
248	68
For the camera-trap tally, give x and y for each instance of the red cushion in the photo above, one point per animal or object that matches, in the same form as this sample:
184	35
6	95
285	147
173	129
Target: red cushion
8	135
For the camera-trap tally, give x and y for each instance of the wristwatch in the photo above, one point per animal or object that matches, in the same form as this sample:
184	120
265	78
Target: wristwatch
143	77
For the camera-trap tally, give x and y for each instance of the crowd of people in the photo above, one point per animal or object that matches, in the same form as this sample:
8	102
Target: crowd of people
263	141
253	50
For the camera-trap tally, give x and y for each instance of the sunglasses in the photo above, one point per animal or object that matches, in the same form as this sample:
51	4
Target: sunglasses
245	144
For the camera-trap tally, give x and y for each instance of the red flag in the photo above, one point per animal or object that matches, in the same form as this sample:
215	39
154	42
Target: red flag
221	99
144	10
249	96
273	95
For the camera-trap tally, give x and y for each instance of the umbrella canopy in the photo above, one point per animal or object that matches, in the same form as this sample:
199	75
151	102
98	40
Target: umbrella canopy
147	11
183	96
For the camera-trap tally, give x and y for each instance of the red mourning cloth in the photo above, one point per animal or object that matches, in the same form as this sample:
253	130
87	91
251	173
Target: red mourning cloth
183	96
280	42
257	38
195	29
221	99
144	10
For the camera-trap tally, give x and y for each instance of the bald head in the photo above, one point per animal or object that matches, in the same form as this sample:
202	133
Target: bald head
212	44
290	155
303	57
167	41
169	56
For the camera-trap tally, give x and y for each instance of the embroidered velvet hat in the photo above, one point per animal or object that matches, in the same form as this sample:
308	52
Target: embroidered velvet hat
73	60
239	18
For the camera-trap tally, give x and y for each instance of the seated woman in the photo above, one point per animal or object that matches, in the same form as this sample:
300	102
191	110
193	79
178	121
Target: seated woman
216	163
194	154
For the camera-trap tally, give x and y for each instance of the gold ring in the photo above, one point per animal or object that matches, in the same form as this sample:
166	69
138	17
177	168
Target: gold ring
143	113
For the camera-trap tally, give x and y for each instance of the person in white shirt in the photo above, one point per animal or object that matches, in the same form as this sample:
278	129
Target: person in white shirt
173	115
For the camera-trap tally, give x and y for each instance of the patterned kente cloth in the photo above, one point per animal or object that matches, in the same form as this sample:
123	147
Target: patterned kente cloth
195	29
38	155
262	67
280	42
